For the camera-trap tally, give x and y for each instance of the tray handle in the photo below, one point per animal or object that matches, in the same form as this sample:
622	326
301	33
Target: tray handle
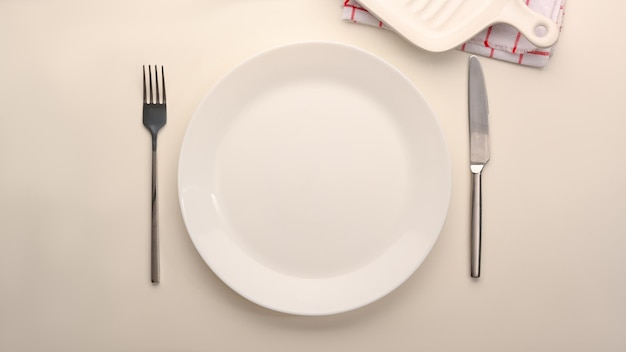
539	30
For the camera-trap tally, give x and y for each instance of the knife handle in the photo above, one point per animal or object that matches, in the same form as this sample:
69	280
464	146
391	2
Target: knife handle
476	224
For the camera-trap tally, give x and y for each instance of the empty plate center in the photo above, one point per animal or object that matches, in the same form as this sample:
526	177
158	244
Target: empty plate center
310	194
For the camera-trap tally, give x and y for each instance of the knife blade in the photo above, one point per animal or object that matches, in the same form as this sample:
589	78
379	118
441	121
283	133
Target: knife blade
478	111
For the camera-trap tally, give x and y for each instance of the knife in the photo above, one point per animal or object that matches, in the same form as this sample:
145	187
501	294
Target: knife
478	110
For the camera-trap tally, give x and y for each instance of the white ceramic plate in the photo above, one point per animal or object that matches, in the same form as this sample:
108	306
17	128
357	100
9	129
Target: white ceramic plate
314	179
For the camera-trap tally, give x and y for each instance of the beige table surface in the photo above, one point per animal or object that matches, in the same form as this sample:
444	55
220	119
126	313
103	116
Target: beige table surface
74	187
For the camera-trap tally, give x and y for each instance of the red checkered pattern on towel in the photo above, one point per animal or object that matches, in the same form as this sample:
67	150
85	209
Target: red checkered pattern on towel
499	41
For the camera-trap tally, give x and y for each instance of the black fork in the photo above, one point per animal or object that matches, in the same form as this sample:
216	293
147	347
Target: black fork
154	117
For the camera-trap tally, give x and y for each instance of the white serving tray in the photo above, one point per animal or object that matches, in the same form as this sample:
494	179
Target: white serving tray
440	25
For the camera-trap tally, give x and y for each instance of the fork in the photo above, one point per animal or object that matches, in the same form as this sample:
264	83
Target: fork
154	117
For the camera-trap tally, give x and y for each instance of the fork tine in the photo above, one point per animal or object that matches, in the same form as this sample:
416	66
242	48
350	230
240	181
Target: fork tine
163	81
156	83
151	100
145	97
154	94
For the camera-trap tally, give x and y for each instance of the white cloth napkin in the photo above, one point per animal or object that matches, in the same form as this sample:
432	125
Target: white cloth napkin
499	41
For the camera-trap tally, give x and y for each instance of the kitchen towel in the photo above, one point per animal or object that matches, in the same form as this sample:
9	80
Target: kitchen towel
499	41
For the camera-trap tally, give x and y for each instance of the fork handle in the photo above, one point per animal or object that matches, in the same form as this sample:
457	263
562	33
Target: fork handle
154	234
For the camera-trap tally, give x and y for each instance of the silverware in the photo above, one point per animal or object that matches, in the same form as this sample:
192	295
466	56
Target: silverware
154	117
479	153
